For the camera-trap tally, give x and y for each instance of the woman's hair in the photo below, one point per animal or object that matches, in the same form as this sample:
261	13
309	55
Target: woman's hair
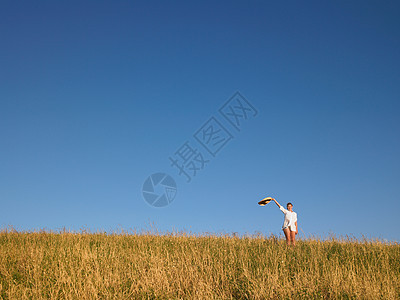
289	204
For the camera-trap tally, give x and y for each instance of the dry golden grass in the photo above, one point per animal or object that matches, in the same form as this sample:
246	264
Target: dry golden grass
63	265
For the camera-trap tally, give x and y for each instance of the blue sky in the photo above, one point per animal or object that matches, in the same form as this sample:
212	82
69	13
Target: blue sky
96	96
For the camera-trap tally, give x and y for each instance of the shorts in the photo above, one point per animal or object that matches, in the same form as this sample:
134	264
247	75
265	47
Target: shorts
291	227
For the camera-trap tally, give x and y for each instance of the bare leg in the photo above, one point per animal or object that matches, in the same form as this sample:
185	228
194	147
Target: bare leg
287	235
293	237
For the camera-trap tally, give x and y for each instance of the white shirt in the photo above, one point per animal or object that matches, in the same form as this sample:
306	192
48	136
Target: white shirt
290	218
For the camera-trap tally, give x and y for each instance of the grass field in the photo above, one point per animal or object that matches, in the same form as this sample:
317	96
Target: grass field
64	265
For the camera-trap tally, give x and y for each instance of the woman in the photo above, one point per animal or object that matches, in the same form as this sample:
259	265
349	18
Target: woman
290	223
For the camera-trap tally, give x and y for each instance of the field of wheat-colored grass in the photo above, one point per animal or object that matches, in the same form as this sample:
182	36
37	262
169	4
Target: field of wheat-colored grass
67	265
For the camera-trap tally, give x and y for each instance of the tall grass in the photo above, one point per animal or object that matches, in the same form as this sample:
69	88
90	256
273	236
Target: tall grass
67	265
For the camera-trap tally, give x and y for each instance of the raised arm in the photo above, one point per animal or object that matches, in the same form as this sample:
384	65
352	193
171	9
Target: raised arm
276	202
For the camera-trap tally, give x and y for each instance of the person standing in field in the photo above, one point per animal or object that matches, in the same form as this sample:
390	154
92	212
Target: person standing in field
290	223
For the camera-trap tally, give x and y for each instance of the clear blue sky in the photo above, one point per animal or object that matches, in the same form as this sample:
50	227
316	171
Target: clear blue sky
95	96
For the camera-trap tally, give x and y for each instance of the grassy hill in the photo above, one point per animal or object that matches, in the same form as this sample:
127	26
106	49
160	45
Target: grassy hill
63	265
